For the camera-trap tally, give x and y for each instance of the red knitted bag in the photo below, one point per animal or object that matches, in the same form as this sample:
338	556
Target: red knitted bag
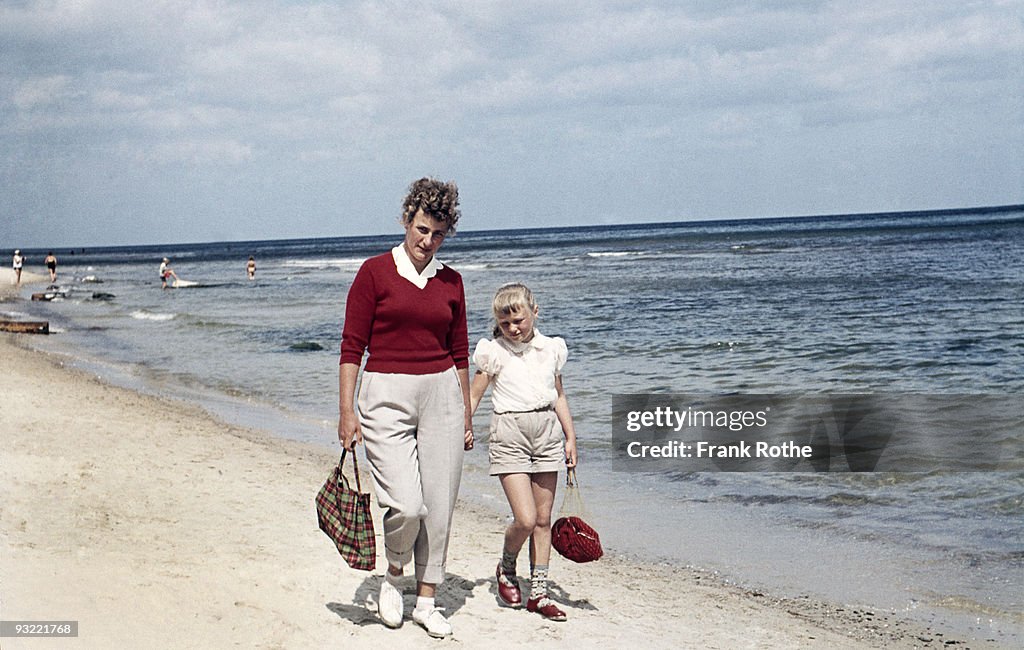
572	537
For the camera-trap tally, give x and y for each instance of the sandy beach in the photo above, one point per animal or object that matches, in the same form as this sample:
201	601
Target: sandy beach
153	524
9	290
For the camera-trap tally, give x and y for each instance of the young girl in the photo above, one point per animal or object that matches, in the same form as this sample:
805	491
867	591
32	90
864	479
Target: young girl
526	449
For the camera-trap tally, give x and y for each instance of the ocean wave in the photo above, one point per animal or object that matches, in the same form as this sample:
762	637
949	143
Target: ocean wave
837	503
1008	506
972	606
757	248
142	314
614	253
321	264
209	323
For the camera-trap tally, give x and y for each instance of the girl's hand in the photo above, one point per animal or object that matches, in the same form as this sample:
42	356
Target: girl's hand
570	454
350	433
468	428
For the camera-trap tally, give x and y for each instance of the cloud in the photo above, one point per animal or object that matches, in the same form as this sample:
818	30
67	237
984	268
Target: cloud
38	92
195	152
111	99
315	64
371	91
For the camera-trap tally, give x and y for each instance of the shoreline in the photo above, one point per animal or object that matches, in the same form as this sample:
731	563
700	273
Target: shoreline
11	291
177	528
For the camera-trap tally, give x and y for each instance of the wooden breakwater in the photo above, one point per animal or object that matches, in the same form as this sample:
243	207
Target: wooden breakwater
25	326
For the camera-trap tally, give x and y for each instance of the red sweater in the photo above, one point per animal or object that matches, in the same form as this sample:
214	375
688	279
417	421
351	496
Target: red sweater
406	329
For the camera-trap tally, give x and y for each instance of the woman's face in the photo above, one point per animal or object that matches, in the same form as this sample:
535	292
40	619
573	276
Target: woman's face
423	236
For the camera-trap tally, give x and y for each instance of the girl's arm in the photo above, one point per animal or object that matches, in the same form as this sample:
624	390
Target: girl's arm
565	419
464	382
477	389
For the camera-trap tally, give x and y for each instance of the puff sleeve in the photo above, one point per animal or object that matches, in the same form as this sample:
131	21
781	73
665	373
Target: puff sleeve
487	357
561	353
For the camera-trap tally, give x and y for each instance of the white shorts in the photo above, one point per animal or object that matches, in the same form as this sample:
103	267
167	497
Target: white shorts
528	443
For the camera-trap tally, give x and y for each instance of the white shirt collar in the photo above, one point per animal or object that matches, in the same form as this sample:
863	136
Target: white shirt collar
406	269
516	347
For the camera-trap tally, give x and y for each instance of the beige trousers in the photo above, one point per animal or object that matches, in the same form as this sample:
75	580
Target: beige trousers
413	432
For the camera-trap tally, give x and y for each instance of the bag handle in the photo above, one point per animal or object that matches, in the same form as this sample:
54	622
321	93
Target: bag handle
355	466
572	502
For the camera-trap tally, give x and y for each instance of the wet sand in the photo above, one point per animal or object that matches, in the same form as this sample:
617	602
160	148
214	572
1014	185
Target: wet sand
153	524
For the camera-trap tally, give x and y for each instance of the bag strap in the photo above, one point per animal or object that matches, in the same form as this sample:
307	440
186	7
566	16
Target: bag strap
355	466
572	502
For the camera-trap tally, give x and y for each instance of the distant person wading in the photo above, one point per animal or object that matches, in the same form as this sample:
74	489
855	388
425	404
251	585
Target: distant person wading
166	272
17	262
51	265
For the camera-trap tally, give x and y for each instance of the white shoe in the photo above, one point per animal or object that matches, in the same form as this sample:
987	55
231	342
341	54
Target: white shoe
389	604
433	621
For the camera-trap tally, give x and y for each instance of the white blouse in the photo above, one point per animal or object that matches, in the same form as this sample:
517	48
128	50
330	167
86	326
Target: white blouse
405	267
524	373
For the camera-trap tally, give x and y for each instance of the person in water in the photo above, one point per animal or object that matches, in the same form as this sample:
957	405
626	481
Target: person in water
166	272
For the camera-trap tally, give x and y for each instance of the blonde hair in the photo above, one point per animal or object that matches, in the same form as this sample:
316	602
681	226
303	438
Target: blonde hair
510	298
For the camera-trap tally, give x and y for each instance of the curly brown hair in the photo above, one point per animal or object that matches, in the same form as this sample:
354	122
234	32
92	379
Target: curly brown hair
437	199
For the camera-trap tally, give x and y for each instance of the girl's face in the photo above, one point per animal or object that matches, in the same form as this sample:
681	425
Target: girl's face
517	325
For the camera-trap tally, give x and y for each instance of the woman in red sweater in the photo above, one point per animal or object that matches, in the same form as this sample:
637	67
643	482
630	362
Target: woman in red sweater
408	310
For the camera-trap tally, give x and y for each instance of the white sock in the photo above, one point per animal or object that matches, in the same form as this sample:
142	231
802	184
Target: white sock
424	604
392	579
539	581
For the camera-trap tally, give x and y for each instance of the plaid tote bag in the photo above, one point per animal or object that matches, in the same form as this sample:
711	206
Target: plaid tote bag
344	514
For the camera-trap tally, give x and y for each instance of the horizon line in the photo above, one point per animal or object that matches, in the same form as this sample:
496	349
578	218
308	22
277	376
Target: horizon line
1010	207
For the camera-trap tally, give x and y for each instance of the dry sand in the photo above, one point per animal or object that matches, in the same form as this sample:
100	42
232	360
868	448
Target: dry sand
9	290
153	524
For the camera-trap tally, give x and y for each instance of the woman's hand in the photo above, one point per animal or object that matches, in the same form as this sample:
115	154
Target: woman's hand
349	432
469	439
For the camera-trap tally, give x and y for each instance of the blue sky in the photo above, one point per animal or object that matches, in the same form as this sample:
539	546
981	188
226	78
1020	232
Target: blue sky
128	122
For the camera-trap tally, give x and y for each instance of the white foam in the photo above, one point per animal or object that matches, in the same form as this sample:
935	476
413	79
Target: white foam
614	254
142	314
343	263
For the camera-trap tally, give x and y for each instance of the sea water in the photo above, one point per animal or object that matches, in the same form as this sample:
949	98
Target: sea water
924	303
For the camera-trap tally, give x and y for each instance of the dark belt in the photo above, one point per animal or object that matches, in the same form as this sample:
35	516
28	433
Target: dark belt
539	409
